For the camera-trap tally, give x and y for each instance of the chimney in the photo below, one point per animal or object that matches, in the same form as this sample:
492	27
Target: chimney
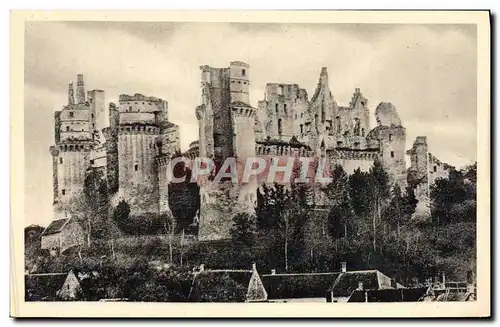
80	89
273	271
254	267
71	94
360	286
444	278
343	267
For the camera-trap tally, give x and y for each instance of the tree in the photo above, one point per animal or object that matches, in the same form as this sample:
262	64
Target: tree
453	199
401	208
341	214
360	190
270	203
243	230
379	180
97	201
292	219
183	198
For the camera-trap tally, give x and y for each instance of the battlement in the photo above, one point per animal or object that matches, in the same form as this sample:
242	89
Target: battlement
292	149
138	97
243	109
138	128
354	154
239	63
75	146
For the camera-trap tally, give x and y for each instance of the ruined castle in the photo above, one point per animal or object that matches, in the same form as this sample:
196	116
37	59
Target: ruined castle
132	143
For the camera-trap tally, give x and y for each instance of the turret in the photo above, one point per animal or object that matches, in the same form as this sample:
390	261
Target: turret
71	95
80	89
239	84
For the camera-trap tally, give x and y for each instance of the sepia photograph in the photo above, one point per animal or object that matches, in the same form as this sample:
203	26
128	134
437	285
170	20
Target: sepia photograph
324	161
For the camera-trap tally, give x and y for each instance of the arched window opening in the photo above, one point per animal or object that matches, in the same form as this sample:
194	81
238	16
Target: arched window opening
280	127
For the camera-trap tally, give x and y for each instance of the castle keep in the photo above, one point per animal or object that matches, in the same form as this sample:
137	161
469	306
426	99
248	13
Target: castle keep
132	142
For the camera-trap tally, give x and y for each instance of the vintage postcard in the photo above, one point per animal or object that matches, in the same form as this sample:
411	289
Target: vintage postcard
250	164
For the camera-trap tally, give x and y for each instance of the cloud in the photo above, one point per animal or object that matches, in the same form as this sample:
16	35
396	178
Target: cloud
427	71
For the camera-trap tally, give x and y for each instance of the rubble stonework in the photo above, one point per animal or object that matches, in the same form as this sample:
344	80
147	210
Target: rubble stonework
133	142
423	171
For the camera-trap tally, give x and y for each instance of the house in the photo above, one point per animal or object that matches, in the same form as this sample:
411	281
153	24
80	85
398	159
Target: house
52	287
349	281
227	285
416	294
62	234
298	287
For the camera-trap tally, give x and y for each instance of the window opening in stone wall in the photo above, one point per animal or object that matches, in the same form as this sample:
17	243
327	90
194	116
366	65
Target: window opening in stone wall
390	137
276	108
71	114
362	132
284	108
337	124
60	160
435	169
243	72
92	115
301	129
67	128
136	167
91	162
392	154
130	108
280	90
63	192
280	131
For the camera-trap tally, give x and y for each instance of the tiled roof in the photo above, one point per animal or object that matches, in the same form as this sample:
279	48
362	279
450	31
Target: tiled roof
43	286
55	226
349	281
389	295
295	286
225	286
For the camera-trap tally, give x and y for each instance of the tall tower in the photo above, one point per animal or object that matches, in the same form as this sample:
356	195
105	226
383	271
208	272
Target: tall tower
139	127
227	122
80	89
391	138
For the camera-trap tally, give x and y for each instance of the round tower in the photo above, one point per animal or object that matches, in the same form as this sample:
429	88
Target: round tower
70	161
137	149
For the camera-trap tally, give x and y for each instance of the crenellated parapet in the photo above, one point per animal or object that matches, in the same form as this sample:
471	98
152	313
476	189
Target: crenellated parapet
354	154
74	146
283	150
138	128
292	148
243	110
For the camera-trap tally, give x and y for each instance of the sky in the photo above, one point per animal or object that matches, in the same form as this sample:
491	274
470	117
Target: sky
427	71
